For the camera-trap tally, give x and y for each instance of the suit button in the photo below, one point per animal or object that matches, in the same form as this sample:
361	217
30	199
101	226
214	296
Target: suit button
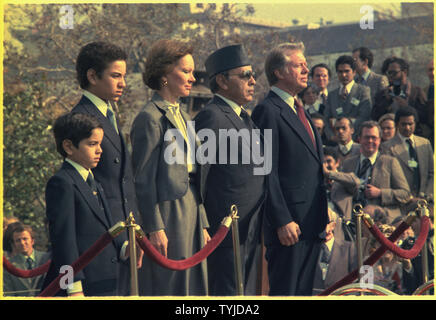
125	200
117	160
114	260
124	180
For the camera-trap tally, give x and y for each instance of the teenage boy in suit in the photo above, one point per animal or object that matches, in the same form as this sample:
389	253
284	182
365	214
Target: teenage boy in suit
78	212
101	69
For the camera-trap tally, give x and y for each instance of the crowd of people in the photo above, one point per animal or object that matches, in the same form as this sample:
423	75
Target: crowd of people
314	154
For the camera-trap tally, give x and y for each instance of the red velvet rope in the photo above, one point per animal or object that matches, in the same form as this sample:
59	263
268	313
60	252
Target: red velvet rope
9	267
79	264
151	251
406	254
369	262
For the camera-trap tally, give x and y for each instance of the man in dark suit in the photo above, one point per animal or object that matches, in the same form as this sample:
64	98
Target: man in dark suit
78	213
26	258
370	178
364	60
351	99
414	153
101	70
228	179
296	209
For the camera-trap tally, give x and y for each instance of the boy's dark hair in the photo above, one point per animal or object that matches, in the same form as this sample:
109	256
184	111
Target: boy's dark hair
97	56
74	127
365	53
406	112
346	60
330	151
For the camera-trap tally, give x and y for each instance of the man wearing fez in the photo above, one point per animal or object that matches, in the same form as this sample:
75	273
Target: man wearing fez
296	208
230	180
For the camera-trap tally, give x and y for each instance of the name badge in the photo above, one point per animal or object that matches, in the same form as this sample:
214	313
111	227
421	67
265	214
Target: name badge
355	101
412	164
339	111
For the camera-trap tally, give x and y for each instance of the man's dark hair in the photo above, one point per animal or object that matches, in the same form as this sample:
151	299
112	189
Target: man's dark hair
404	66
405	112
74	127
96	56
320	65
346	60
317	115
350	122
365	54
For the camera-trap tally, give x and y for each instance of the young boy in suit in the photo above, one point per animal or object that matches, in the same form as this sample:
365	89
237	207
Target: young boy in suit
77	210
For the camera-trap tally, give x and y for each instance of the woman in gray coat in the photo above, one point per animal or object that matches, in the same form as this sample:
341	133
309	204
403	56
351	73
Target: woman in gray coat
166	176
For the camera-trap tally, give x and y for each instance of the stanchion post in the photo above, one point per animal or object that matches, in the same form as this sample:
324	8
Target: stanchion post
423	211
237	251
359	214
131	225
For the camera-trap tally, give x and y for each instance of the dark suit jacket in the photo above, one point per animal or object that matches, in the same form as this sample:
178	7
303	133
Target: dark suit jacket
384	103
76	221
386	175
225	184
357	105
397	149
24	286
296	190
114	171
375	82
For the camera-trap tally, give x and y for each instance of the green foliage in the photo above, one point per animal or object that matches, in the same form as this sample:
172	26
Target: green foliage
30	157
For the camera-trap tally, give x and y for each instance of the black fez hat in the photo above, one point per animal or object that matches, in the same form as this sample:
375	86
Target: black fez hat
226	58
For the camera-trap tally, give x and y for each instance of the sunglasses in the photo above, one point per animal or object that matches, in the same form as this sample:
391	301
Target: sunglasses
392	73
247	74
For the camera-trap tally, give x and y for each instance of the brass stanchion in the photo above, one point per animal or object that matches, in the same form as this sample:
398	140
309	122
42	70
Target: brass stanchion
358	211
237	251
131	226
423	211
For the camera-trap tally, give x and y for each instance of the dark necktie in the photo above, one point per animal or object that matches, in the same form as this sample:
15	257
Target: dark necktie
325	253
93	185
29	263
344	93
247	120
111	116
364	168
414	157
303	119
324	98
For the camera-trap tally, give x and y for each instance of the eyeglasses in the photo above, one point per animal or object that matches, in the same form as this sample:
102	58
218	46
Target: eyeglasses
247	74
392	73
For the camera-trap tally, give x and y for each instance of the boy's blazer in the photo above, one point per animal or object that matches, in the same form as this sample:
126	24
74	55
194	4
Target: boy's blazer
76	221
